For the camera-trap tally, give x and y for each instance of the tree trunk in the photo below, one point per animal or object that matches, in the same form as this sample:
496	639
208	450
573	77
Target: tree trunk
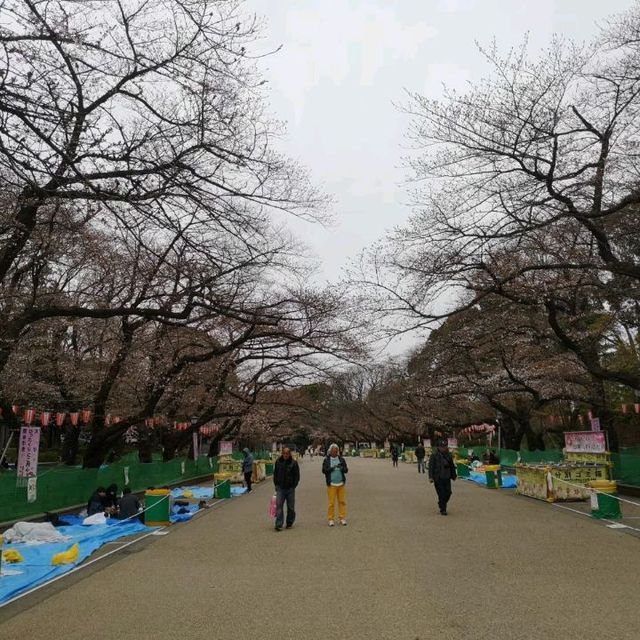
70	445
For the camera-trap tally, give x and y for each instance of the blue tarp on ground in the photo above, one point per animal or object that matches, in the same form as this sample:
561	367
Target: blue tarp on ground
197	493
508	481
37	567
183	517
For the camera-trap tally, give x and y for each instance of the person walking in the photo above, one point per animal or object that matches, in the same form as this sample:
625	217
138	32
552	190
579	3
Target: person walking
442	470
420	455
247	468
286	476
394	455
335	472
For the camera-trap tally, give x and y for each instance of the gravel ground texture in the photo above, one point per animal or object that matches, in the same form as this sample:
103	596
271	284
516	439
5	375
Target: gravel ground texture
499	566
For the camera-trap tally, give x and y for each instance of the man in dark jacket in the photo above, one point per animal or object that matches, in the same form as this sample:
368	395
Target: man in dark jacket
420	455
442	470
335	472
129	505
96	501
286	476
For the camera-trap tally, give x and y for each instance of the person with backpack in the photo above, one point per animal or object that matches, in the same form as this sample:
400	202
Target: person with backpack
442	470
335	472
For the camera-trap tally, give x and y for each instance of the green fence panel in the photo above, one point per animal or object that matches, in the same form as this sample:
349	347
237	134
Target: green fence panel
61	487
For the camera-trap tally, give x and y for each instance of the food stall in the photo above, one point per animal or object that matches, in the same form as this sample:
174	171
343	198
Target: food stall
586	460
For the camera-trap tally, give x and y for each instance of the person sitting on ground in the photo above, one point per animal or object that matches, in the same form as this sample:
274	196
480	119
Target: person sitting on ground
111	499
96	501
129	504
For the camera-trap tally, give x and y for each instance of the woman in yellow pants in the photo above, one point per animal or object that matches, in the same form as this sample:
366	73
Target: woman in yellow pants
335	471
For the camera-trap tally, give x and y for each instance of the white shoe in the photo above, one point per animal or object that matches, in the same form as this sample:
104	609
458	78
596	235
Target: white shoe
332	523
343	523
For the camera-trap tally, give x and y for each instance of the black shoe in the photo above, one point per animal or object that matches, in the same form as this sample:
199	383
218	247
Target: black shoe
443	513
278	529
289	526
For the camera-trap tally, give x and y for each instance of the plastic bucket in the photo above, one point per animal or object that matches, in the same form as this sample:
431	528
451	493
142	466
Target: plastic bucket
604	503
223	490
157	504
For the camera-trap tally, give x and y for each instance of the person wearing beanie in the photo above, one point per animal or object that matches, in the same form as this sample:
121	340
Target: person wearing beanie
335	472
442	470
247	467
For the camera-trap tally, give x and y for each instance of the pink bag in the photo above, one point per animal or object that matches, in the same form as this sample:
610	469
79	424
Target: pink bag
273	507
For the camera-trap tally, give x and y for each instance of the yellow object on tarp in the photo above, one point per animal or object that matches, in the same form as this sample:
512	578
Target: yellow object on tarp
12	555
66	557
187	493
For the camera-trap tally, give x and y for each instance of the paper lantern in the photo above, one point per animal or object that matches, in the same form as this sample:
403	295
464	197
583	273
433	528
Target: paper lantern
73	417
60	418
86	416
45	416
637	408
28	415
107	420
624	408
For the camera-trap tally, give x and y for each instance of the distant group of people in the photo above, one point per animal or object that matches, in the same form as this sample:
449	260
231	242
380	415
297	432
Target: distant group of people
107	501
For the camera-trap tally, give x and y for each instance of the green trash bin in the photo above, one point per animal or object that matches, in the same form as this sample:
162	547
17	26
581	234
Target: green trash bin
493	475
157	505
223	490
604	503
463	469
269	468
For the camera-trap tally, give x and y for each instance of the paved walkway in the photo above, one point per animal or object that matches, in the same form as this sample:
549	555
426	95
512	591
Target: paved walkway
498	567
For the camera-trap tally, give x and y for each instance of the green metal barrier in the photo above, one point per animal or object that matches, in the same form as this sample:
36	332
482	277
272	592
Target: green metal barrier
61	487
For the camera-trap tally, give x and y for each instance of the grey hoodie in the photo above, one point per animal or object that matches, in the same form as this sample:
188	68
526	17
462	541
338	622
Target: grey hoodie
247	463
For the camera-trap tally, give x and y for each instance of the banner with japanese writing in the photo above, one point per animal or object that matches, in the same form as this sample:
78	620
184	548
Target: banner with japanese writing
28	448
585	442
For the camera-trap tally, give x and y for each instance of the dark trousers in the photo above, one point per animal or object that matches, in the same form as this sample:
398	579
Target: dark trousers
395	462
421	465
247	479
443	489
288	496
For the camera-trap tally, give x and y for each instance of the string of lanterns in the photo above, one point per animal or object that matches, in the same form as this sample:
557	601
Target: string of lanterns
31	416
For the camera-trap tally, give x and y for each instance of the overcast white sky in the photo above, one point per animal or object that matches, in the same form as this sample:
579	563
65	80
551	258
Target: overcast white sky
344	63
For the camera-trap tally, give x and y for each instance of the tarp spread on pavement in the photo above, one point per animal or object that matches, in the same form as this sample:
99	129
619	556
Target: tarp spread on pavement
195	493
37	567
508	481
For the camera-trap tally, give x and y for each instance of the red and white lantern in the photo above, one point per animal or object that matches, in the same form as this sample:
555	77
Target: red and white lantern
45	417
15	408
637	408
74	417
60	416
86	416
28	416
107	420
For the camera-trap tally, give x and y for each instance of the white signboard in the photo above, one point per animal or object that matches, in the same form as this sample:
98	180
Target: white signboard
585	442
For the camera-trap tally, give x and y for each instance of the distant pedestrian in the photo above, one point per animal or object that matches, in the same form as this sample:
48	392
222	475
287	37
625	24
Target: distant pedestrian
335	472
286	476
442	470
420	455
395	454
247	468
